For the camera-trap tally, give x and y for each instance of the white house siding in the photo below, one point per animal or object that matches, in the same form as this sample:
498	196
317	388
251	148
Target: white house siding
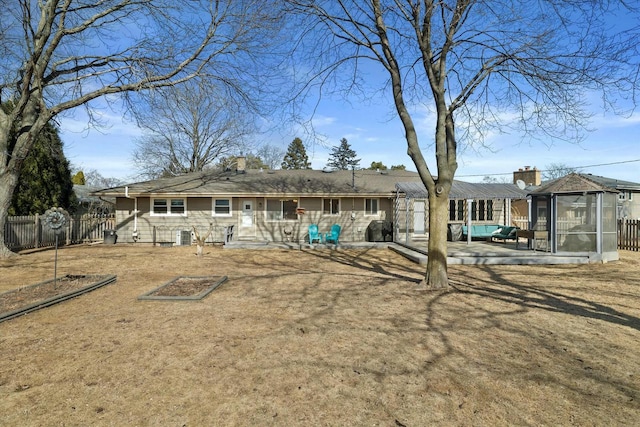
199	213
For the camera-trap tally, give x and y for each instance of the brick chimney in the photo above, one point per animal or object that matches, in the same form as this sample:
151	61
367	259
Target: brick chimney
241	164
528	175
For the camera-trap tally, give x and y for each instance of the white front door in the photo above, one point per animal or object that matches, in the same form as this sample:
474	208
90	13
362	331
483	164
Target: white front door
418	217
247	214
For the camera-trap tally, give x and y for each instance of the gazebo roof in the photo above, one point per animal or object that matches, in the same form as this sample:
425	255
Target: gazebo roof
465	190
573	183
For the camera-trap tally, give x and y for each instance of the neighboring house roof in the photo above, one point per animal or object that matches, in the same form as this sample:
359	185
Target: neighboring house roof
614	183
572	183
277	183
465	190
86	195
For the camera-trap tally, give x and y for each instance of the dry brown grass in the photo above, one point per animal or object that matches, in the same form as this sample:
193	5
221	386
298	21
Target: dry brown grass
322	338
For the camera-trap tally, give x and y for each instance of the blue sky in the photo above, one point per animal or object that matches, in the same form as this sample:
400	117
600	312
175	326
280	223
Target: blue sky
612	149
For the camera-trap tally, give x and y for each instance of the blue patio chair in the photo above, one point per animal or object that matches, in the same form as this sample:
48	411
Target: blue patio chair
333	235
314	234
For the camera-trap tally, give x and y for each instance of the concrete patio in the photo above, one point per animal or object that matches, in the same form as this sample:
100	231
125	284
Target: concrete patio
477	252
481	252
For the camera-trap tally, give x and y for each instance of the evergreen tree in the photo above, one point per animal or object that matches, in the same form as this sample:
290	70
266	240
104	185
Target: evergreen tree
342	157
296	156
45	177
398	167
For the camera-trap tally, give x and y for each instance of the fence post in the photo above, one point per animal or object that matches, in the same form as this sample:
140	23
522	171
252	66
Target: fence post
69	230
36	228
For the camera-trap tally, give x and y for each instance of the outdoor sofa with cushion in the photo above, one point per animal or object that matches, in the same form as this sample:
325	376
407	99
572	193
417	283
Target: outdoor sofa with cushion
489	231
505	233
480	231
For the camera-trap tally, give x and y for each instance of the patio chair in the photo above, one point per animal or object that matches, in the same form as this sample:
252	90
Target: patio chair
314	234
333	235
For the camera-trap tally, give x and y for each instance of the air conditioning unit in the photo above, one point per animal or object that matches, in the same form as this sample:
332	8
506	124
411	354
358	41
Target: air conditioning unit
183	238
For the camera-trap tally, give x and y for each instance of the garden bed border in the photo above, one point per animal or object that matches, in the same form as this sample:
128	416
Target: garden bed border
148	296
101	280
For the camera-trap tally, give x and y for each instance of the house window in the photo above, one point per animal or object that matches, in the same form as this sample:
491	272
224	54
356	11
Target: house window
481	210
285	209
331	206
624	195
460	210
456	210
371	206
169	207
222	207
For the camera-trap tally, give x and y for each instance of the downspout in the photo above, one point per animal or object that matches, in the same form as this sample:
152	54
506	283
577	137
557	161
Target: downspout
134	235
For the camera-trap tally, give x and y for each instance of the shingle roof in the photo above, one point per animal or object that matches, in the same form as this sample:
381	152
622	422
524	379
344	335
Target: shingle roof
572	183
272	182
618	184
466	190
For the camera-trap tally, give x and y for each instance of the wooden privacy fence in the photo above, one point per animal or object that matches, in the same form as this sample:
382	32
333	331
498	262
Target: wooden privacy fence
29	232
628	234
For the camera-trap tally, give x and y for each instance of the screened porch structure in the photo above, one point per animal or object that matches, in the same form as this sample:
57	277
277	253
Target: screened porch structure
469	203
579	215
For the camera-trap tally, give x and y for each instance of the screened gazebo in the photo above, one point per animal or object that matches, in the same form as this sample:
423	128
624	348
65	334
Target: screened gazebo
480	203
579	216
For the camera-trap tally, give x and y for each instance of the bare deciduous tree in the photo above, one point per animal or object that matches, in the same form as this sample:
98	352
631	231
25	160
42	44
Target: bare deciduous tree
476	65
189	128
57	55
557	170
270	155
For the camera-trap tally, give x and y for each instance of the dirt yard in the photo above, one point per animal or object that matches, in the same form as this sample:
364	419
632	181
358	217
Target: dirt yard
315	338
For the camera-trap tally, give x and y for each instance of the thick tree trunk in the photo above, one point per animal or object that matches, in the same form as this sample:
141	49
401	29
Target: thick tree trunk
8	183
436	277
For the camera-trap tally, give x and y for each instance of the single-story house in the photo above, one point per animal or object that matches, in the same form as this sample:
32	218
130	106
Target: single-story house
279	205
260	205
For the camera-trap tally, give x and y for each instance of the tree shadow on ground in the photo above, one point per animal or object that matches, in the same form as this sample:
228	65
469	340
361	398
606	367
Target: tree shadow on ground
368	261
535	297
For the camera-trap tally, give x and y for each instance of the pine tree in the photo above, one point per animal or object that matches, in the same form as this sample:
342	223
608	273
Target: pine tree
342	157
45	177
296	156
